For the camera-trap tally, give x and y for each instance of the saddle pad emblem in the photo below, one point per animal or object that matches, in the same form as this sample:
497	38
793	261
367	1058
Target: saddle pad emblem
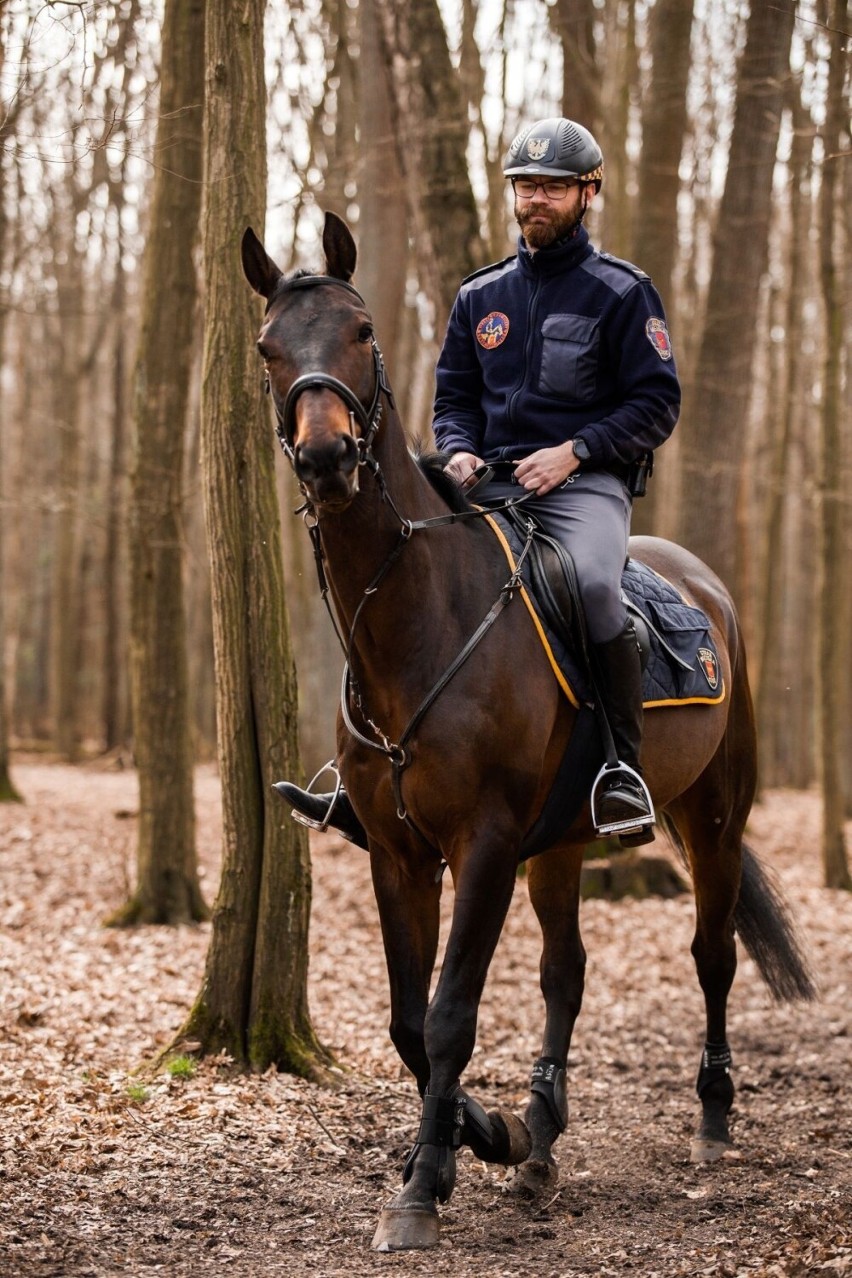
658	336
493	330
709	667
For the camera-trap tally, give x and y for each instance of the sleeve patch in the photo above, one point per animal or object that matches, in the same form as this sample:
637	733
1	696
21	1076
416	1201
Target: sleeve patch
658	336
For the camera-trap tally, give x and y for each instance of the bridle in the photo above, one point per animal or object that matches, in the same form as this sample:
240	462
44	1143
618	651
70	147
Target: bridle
368	419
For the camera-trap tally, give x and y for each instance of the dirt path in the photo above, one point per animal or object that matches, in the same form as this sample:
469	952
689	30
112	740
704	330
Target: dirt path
269	1176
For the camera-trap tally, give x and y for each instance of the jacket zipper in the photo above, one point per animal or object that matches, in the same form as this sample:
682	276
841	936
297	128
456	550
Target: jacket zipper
510	414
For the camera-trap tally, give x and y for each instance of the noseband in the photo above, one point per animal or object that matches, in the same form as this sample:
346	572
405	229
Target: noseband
368	419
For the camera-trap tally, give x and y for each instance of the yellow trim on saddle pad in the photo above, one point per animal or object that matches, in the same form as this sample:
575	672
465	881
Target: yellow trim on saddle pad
554	664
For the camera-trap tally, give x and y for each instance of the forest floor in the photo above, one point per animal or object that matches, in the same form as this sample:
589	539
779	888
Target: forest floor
104	1172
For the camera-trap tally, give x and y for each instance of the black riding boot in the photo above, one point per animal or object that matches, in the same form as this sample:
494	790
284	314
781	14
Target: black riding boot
324	812
621	796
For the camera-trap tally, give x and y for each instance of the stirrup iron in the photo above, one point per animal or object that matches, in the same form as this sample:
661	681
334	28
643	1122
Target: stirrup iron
631	825
310	822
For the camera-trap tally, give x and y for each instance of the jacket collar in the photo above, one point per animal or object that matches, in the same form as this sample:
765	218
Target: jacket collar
561	256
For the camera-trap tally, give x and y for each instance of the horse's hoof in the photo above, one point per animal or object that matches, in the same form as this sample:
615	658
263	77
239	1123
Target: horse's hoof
705	1150
532	1179
512	1135
404	1228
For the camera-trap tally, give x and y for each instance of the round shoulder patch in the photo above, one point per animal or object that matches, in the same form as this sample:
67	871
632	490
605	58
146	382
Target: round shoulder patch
658	336
493	330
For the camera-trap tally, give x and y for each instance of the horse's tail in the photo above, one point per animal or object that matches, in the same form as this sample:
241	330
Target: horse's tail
764	924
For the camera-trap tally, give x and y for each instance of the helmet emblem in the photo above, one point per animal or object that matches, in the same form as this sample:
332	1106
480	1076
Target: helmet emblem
493	330
658	336
537	148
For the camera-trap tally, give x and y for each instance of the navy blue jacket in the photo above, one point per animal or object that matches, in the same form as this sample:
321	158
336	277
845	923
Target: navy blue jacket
565	343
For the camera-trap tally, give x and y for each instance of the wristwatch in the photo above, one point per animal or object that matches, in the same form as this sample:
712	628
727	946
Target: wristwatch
581	450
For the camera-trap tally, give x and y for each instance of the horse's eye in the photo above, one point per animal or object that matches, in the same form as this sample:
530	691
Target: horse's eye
365	333
262	351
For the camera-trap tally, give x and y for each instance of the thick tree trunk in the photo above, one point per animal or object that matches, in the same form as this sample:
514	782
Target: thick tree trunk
167	889
431	128
772	716
834	558
655	233
574	22
717	398
253	1001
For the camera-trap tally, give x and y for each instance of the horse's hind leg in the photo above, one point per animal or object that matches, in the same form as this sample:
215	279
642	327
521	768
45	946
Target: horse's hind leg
710	820
554	887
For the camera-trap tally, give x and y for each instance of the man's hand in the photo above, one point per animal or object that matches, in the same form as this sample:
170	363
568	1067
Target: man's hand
547	468
462	465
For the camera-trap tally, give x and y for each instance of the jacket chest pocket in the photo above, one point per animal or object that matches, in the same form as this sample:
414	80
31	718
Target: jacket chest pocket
569	356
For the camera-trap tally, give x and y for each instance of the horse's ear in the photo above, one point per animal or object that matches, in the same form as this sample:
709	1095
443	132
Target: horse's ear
260	270
339	247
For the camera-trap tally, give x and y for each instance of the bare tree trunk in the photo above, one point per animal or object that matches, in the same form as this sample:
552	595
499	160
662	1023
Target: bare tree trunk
574	22
834	559
431	131
620	85
8	792
167	889
716	401
655	233
115	698
383	225
768	681
253	1001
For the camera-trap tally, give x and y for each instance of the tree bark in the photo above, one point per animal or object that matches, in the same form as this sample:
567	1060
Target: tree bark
655	233
574	21
834	559
431	128
253	1001
717	398
167	889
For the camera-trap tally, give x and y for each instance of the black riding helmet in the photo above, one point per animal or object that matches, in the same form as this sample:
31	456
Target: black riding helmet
555	148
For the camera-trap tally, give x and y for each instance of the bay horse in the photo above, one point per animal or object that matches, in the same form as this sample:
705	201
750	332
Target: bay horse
448	750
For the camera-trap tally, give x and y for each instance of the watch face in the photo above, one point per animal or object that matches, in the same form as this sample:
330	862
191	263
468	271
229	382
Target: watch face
581	449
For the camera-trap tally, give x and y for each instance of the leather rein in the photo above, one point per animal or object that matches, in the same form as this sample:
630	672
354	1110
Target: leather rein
369	420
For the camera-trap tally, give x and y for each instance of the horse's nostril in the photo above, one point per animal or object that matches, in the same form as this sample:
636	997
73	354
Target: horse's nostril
338	456
348	454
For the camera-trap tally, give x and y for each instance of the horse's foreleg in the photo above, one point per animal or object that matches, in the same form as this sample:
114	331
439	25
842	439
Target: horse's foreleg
554	887
408	897
484	881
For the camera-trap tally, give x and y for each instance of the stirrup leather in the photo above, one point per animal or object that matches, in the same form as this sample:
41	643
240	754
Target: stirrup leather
310	822
630	825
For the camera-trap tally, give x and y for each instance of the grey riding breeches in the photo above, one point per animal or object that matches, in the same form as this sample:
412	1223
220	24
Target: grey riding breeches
590	517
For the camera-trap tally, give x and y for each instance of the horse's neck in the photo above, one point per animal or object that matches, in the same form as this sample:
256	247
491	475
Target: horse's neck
359	542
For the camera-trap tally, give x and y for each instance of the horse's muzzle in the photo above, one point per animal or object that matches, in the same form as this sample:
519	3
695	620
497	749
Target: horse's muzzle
328	470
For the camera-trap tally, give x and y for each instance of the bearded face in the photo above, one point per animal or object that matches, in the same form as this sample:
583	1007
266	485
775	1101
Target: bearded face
543	221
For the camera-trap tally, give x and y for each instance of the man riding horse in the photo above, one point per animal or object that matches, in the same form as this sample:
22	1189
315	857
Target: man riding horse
557	374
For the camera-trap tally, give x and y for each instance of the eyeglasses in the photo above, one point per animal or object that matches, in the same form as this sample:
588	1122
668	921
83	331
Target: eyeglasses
526	188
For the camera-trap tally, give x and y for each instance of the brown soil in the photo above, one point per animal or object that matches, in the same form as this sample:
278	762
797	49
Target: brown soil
269	1175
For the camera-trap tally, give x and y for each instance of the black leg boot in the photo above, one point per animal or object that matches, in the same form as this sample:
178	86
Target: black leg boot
621	794
324	811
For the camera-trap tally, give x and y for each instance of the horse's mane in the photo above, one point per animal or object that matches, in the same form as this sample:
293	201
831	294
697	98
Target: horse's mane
433	466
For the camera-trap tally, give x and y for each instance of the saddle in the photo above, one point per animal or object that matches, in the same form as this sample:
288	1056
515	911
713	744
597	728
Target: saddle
679	660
